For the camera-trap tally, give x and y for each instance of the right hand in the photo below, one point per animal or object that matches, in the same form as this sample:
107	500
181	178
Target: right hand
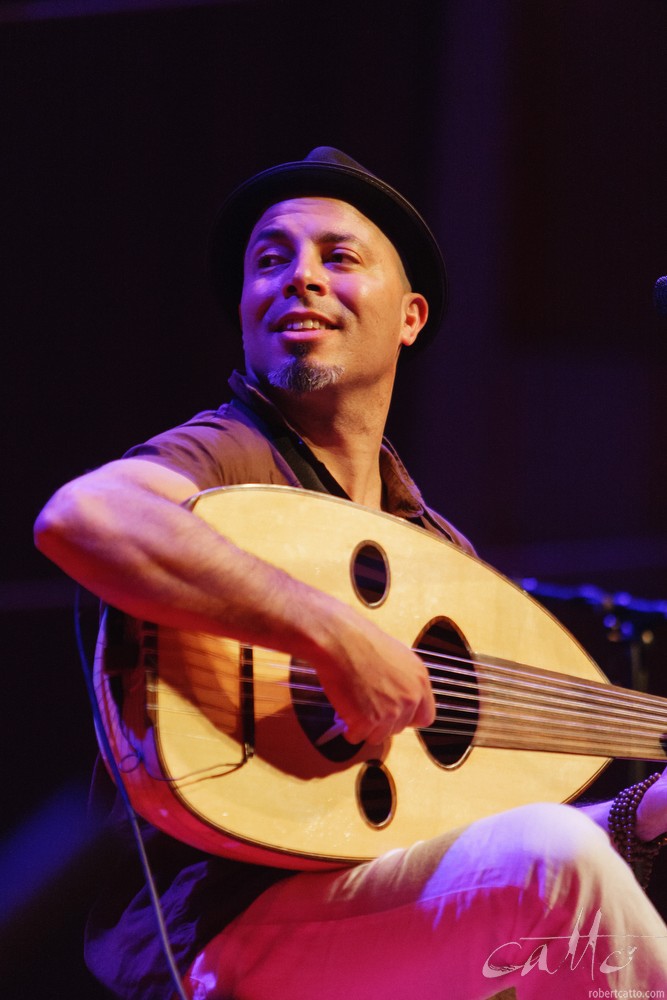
376	684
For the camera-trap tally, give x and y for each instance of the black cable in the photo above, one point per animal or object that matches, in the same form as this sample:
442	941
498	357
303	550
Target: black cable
131	814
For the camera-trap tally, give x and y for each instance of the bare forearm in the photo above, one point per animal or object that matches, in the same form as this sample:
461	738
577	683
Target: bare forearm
599	813
154	559
651	820
123	534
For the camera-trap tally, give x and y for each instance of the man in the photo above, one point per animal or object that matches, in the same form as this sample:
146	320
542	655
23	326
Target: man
334	274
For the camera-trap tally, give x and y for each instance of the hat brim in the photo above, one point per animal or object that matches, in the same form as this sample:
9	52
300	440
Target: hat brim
379	202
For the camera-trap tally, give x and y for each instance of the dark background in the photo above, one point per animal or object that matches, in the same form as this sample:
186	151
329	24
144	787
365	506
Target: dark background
532	135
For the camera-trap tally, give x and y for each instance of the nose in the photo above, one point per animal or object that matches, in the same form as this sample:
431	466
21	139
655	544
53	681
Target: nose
306	274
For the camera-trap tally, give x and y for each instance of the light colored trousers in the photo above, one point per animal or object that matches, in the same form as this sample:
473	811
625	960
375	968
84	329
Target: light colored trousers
533	898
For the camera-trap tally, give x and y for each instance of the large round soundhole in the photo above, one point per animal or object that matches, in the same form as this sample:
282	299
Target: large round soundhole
447	657
316	716
375	793
370	574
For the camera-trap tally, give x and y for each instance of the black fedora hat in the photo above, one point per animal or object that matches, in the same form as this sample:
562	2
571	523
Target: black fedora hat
328	173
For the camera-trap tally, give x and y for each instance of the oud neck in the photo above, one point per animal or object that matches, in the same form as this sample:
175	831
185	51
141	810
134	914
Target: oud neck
530	709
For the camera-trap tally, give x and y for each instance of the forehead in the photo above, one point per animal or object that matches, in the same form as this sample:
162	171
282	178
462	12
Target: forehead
320	219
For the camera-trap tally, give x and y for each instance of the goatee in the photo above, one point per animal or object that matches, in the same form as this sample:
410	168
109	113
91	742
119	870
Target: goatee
297	374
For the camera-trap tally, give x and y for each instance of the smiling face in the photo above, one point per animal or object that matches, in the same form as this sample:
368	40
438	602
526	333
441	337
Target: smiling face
325	298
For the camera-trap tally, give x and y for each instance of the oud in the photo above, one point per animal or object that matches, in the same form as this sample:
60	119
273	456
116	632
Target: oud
233	748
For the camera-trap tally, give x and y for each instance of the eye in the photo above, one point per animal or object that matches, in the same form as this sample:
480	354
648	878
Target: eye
341	255
270	258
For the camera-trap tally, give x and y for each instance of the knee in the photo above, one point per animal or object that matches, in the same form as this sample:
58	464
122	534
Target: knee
562	850
562	833
546	853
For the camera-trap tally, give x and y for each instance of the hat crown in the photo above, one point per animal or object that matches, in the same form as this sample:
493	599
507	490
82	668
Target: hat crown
329	154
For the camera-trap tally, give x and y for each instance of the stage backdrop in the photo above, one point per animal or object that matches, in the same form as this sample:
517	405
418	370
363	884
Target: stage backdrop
533	138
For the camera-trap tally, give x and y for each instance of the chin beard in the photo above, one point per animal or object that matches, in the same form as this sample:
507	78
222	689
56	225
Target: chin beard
297	374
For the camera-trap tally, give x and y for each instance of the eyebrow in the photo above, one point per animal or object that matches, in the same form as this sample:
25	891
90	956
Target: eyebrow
328	236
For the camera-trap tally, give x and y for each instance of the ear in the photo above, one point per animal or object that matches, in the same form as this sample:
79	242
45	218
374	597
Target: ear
415	314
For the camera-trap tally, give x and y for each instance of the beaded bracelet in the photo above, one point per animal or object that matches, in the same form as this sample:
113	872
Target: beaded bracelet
639	854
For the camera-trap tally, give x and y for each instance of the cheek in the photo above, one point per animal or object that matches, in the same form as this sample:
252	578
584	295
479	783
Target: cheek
362	298
248	300
254	304
382	309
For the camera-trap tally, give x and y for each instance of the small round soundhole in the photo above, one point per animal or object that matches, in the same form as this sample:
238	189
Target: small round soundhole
370	574
376	793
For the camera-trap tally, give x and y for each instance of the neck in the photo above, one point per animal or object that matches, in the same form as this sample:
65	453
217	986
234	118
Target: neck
344	433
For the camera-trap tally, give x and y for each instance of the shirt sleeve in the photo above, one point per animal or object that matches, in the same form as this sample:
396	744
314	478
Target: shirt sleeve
213	450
